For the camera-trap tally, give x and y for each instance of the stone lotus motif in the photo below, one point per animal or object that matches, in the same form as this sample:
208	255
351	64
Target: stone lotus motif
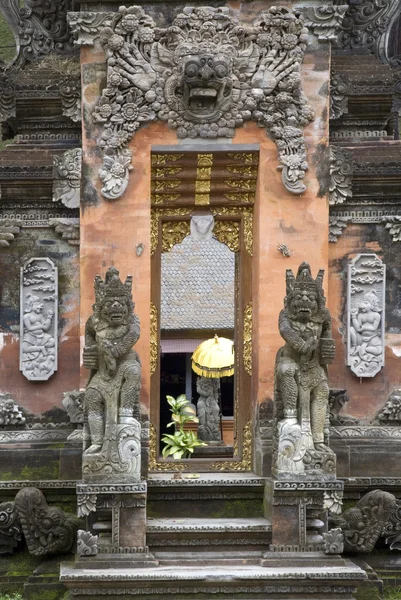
301	383
112	411
204	75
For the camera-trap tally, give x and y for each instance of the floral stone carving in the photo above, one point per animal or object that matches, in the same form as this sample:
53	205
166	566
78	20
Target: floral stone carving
334	541
67	177
204	75
10	413
38	326
325	20
366	304
112	410
341	170
86	543
208	410
301	385
47	530
363	524
390	414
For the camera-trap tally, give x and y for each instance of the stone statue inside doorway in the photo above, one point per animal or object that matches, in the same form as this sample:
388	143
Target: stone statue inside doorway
112	429
301	382
208	409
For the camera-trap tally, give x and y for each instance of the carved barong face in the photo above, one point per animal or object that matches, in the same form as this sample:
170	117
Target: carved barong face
205	75
114	312
204	86
305	300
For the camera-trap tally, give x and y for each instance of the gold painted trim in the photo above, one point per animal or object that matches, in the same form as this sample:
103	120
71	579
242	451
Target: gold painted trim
154	346
154	465
238	465
173	232
227	232
247	349
161	159
155	214
247	213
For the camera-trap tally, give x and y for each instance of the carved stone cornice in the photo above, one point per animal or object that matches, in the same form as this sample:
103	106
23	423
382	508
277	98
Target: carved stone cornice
325	20
144	90
341	169
67	228
336	227
8	231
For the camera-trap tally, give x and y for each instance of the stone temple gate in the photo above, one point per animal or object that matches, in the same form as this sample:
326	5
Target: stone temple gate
172	175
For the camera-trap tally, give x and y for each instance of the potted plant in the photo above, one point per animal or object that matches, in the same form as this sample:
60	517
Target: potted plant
180	444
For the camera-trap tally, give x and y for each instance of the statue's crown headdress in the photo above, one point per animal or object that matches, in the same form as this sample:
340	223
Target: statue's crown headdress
112	287
304	280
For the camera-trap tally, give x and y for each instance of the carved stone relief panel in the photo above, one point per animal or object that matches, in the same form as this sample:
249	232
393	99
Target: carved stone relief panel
204	75
67	177
365	314
38	320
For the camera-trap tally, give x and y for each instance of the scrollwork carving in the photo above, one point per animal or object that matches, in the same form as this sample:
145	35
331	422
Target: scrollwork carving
192	74
393	224
154	346
245	464
173	232
325	20
70	94
339	88
115	174
336	227
86	26
10	413
227	232
334	541
86	543
247	214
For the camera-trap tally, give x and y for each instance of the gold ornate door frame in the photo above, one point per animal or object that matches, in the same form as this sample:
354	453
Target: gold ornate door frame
221	182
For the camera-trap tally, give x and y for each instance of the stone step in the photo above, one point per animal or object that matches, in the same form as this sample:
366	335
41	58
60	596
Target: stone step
236	557
202	534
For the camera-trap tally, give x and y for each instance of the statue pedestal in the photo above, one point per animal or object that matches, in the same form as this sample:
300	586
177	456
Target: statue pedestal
298	511
116	514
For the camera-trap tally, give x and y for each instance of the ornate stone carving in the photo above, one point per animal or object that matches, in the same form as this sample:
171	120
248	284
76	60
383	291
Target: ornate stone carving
363	524
67	177
336	227
86	26
115	173
392	529
337	399
38	325
334	541
86	543
38	29
70	95
205	75
112	408
325	20
8	231
7	99
340	175
10	530
365	312
393	224
10	413
339	89
47	530
390	414
333	501
366	25
208	409
301	385
73	403
86	503
67	228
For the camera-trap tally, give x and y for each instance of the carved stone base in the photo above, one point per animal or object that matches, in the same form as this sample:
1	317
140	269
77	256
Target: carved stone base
115	524
298	512
119	460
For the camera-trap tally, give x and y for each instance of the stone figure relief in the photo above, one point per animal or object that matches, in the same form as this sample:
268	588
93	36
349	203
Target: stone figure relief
363	524
366	303
202	227
38	321
112	447
208	410
301	382
204	75
47	529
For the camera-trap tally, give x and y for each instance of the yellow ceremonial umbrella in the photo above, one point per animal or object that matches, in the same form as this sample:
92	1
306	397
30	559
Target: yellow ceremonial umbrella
214	358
